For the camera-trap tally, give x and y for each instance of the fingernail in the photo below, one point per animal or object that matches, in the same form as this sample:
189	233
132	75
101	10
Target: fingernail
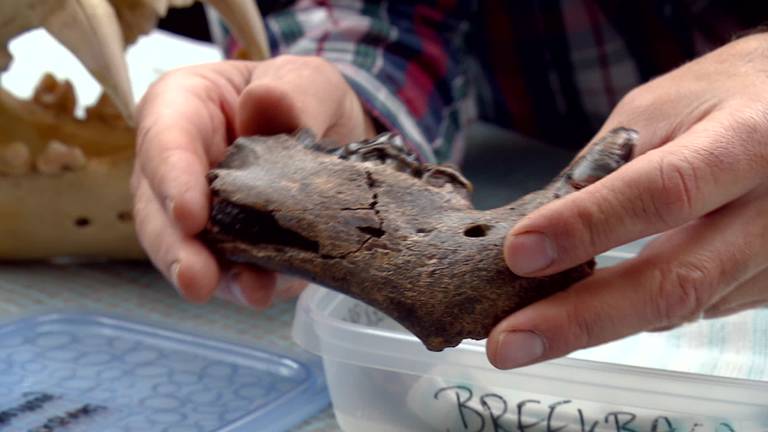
529	253
229	290
174	273
518	348
237	291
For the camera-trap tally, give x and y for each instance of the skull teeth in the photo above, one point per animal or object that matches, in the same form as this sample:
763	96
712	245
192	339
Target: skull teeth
59	157
58	96
91	30
15	159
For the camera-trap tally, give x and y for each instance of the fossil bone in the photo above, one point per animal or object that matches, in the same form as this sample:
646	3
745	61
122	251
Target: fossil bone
372	222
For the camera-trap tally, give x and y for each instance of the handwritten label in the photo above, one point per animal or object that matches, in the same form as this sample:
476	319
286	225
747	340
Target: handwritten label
359	313
45	412
32	402
493	412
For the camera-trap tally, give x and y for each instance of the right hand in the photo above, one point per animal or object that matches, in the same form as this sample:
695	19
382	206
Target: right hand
186	120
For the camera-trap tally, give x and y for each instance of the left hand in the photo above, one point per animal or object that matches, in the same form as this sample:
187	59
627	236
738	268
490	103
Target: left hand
699	175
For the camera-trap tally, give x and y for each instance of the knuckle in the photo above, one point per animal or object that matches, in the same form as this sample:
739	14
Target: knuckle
584	329
681	292
637	100
748	131
583	223
678	183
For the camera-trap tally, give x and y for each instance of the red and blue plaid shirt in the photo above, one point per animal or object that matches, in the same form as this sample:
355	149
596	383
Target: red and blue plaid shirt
548	69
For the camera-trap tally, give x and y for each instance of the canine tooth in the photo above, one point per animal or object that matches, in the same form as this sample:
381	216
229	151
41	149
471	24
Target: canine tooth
90	29
15	159
246	22
58	157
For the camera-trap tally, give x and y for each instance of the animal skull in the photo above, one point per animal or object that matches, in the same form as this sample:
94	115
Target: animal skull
64	180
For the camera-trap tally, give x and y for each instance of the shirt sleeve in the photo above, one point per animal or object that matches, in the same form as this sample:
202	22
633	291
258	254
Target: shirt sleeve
404	59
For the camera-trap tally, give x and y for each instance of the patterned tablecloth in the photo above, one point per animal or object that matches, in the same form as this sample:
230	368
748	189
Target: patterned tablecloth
137	291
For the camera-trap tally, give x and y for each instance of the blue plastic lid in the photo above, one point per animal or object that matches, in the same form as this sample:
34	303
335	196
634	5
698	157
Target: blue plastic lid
80	372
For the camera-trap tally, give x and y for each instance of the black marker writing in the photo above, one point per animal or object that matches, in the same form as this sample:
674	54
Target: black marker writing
520	426
655	424
494	416
584	426
494	410
66	419
621	426
36	402
551	415
462	406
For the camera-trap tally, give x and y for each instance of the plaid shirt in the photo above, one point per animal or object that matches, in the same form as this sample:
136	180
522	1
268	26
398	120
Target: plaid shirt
548	69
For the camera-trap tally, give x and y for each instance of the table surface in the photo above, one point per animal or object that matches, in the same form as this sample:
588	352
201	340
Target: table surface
136	290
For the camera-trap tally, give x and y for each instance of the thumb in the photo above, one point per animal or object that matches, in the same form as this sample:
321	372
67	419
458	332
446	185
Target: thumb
289	92
267	108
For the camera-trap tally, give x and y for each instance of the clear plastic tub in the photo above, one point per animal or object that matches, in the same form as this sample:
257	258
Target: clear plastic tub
707	377
79	372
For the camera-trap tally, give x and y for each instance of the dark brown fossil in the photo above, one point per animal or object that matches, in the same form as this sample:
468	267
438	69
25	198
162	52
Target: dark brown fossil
370	221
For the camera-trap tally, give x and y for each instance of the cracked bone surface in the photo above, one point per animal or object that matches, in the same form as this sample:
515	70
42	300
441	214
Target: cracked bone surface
371	222
97	32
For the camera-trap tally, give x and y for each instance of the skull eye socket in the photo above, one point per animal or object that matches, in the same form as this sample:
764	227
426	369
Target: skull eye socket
477	230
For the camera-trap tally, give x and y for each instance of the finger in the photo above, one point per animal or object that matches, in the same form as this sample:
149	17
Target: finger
752	293
179	137
660	190
300	92
672	282
247	286
182	260
288	287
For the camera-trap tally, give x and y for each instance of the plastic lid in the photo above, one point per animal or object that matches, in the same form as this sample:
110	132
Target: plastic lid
79	372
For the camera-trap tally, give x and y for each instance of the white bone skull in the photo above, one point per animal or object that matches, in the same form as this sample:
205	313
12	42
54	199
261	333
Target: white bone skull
97	32
64	181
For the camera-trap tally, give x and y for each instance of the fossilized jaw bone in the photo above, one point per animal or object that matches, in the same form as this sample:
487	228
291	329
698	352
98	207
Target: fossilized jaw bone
97	32
386	233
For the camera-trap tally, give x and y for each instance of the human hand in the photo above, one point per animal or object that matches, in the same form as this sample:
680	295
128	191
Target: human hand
185	123
699	176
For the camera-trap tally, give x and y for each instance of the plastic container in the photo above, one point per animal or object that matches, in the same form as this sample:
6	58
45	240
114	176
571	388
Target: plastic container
79	372
381	378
